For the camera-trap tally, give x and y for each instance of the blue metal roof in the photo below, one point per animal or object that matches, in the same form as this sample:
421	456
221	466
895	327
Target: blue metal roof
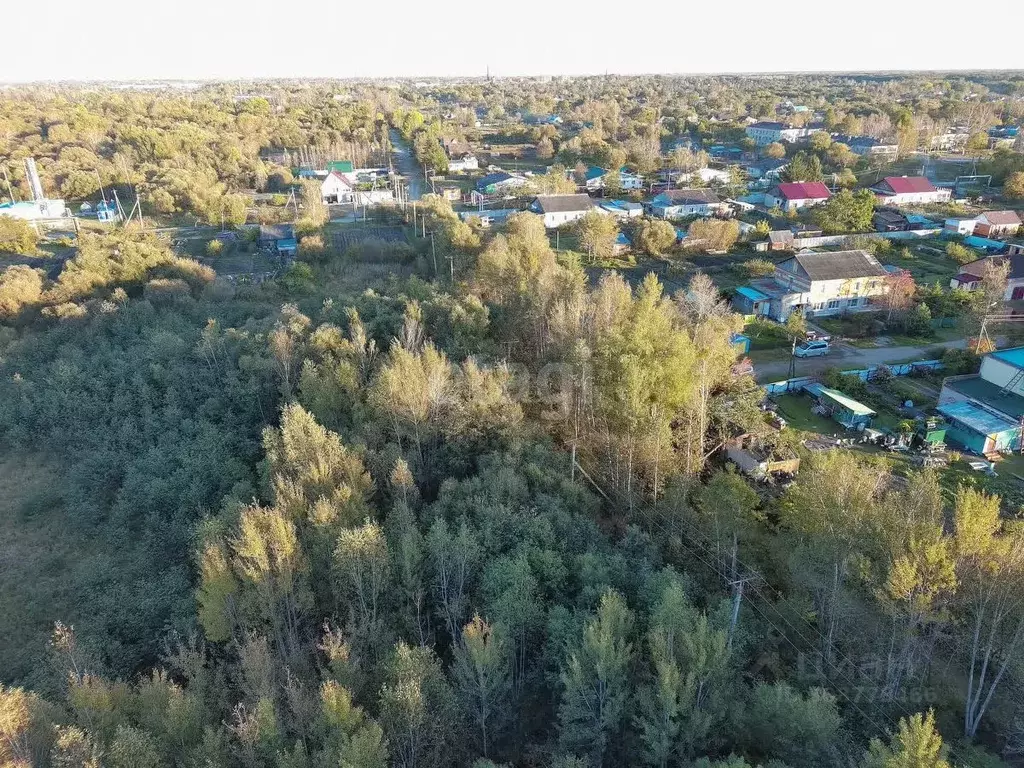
751	293
976	241
621	205
976	418
1014	356
622	239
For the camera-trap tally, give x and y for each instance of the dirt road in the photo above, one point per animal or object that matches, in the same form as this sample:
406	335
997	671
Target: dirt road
850	357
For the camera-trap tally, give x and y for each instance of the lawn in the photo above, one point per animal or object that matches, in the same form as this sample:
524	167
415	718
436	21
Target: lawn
766	334
928	262
796	410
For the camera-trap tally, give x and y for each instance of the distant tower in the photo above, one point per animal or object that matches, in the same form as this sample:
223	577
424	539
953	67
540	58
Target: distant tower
488	73
33	179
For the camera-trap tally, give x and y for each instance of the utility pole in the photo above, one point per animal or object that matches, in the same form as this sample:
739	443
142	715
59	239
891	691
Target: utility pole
792	360
433	250
737	598
10	191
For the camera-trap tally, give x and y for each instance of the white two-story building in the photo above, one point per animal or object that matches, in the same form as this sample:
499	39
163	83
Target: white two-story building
815	284
768	132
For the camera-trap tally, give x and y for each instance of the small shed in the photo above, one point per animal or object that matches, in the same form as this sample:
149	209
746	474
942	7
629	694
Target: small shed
752	458
107	211
740	343
780	240
622	243
750	301
280	237
980	429
848	412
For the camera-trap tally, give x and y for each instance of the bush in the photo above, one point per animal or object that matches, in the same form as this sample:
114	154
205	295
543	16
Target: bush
758	267
311	247
960	253
957	362
214	248
166	290
17	236
918	322
20	286
655	236
852	386
713	234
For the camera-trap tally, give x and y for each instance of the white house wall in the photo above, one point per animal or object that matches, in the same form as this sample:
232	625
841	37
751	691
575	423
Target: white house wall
999	373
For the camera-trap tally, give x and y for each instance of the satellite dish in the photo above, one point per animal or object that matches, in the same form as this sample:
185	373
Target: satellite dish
85	207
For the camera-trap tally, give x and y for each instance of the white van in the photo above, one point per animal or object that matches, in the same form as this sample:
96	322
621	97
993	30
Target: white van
813	349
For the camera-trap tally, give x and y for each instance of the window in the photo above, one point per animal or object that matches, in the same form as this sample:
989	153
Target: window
853	302
833	304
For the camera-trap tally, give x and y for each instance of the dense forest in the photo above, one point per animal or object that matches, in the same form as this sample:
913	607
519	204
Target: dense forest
368	514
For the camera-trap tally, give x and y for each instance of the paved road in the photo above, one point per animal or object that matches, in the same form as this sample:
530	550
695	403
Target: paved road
849	357
405	164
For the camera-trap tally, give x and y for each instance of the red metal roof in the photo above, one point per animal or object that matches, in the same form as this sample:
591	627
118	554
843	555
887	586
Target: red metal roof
902	185
804	190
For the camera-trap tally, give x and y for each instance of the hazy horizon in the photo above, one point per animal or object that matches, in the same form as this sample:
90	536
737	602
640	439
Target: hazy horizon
201	41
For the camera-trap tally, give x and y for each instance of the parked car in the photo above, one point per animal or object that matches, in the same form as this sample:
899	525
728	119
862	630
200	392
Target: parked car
813	349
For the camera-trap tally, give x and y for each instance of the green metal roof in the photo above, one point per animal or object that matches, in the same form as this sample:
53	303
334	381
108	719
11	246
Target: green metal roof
855	407
341	166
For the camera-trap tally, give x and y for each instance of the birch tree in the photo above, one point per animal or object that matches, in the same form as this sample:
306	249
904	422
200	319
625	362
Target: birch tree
990	565
597	683
483	679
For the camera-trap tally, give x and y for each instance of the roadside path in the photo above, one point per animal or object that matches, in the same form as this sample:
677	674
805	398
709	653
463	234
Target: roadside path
405	164
850	357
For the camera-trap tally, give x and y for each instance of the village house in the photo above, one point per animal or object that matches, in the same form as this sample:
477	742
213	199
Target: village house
680	203
595	179
909	190
984	410
500	183
970	275
621	209
957	226
867	146
768	169
336	188
460	156
950	140
704	175
997	224
279	238
561	209
1004	136
769	132
796	195
815	284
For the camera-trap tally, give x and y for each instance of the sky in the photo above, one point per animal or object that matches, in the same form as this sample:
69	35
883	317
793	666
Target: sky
231	39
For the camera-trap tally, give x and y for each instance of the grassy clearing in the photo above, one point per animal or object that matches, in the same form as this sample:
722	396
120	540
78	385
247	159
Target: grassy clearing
765	335
38	551
928	262
796	409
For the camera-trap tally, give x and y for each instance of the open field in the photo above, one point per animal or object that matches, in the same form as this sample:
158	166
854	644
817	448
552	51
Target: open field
344	236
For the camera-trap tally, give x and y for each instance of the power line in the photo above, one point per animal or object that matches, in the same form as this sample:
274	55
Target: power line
697	553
